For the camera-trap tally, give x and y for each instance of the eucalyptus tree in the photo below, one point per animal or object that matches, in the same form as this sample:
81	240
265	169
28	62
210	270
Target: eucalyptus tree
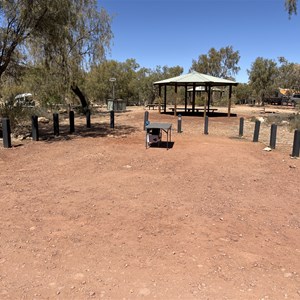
243	93
99	86
220	63
62	36
165	72
262	76
291	6
133	83
288	74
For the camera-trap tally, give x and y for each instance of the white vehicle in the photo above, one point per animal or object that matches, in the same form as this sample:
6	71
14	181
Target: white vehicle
295	99
24	100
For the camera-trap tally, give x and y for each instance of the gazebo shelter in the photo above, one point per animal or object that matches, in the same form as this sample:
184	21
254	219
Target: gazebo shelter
192	81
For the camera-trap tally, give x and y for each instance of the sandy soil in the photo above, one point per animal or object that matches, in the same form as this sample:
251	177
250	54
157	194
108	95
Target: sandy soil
94	215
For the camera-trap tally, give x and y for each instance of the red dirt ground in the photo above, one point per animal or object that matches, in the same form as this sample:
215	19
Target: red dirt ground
96	215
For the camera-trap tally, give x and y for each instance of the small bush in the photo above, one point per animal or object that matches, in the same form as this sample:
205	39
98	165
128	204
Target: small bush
277	119
20	117
294	121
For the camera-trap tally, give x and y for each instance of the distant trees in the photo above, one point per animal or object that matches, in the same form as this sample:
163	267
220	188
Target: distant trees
133	83
267	75
288	74
60	39
99	87
262	76
53	47
243	93
221	63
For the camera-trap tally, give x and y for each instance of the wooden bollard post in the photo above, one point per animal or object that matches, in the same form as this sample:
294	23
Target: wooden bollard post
206	125
296	143
241	129
273	136
88	118
72	121
56	124
256	131
35	128
112	119
6	133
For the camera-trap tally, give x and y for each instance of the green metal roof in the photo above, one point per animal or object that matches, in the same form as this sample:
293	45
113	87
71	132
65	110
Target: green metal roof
196	78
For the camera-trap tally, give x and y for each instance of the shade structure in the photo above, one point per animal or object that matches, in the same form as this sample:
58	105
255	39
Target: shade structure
202	89
193	80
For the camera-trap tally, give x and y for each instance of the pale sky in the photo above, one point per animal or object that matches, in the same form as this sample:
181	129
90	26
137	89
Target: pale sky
174	32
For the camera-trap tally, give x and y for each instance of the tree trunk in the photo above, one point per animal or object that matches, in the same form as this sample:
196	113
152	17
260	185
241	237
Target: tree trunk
80	95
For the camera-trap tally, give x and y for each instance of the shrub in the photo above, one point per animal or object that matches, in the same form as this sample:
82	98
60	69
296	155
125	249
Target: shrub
294	121
20	117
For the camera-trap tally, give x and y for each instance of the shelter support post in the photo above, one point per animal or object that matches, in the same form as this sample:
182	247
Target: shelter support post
194	97
241	128
165	99
175	100
185	98
229	101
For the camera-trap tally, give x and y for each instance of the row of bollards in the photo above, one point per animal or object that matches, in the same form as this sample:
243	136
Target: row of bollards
273	133
273	136
35	126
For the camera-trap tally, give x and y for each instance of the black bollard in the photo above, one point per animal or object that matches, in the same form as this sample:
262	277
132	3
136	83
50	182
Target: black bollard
273	136
72	121
256	131
241	130
206	125
88	118
146	117
35	128
56	124
6	133
296	144
179	124
112	119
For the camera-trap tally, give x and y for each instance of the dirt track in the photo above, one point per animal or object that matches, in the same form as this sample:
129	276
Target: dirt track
96	215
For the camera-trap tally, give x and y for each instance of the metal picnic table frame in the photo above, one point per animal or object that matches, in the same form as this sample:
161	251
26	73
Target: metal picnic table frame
165	127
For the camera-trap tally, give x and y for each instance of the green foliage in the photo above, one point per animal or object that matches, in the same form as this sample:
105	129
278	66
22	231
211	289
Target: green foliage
291	6
58	39
288	75
222	63
295	121
133	84
262	76
19	116
243	92
200	100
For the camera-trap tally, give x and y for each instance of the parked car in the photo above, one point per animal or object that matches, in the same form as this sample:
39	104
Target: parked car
295	99
24	100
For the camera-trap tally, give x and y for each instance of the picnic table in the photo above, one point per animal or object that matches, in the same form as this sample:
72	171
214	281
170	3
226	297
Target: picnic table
189	109
153	106
154	133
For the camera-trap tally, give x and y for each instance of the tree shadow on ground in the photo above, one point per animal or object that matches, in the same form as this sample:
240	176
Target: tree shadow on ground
162	145
200	114
46	132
